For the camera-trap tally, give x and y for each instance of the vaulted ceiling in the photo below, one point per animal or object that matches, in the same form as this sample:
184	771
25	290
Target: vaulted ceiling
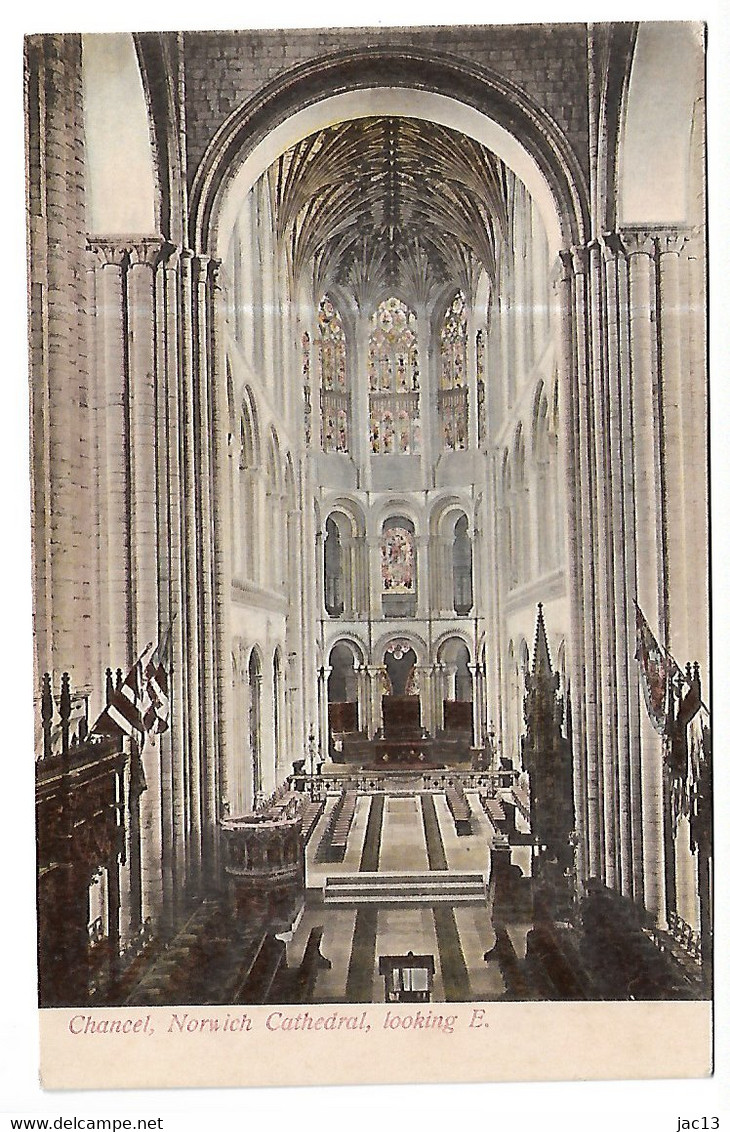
383	205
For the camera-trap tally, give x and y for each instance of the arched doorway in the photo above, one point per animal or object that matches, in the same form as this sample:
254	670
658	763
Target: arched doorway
457	689
343	699
401	702
533	151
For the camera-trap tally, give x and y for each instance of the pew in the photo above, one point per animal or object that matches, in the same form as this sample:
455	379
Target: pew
459	808
333	845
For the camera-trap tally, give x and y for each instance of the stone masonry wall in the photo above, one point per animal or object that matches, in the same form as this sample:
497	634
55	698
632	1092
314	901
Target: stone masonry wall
224	69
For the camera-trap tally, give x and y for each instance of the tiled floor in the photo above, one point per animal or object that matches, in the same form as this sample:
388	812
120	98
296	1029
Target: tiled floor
399	929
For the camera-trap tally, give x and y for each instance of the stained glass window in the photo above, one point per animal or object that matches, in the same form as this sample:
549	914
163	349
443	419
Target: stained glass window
453	392
393	374
398	561
334	394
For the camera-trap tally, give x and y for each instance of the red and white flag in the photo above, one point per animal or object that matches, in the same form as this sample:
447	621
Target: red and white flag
156	716
125	711
140	706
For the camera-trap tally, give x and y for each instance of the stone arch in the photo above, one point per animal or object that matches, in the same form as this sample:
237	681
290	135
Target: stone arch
250	415
355	645
420	84
290	485
415	640
342	680
445	512
539	418
351	509
393	507
273	462
455	654
452	635
451	555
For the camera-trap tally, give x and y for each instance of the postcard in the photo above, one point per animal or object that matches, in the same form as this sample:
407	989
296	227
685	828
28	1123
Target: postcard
370	525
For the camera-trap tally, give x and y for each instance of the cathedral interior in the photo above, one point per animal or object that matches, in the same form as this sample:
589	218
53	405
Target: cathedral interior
368	384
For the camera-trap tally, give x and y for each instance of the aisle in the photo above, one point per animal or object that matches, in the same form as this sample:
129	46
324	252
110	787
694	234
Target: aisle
394	834
403	846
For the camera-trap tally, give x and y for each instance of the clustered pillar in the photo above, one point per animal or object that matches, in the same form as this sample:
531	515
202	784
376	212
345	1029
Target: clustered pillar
625	369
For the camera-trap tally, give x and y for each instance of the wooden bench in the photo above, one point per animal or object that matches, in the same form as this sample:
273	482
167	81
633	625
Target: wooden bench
459	807
333	845
311	813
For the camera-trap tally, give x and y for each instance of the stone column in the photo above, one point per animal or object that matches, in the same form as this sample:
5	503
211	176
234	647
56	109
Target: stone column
672	314
425	673
323	701
357	367
476	724
143	256
189	426
363	698
63	471
570	466
221	483
206	479
113	448
693	408
604	447
375	675
623	545
439	685
647	785
449	671
585	488
376	581
360	578
423	566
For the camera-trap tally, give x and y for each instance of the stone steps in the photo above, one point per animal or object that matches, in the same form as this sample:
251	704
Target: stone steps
406	888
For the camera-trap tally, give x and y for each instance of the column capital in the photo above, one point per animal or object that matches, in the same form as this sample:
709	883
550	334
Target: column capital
580	256
145	251
672	241
201	265
108	251
169	256
128	251
613	245
638	240
563	268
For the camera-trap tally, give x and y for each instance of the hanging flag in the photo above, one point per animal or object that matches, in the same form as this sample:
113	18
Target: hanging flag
126	710
656	672
157	688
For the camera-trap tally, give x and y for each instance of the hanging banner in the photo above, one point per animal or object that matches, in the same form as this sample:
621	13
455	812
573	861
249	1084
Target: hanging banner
655	670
